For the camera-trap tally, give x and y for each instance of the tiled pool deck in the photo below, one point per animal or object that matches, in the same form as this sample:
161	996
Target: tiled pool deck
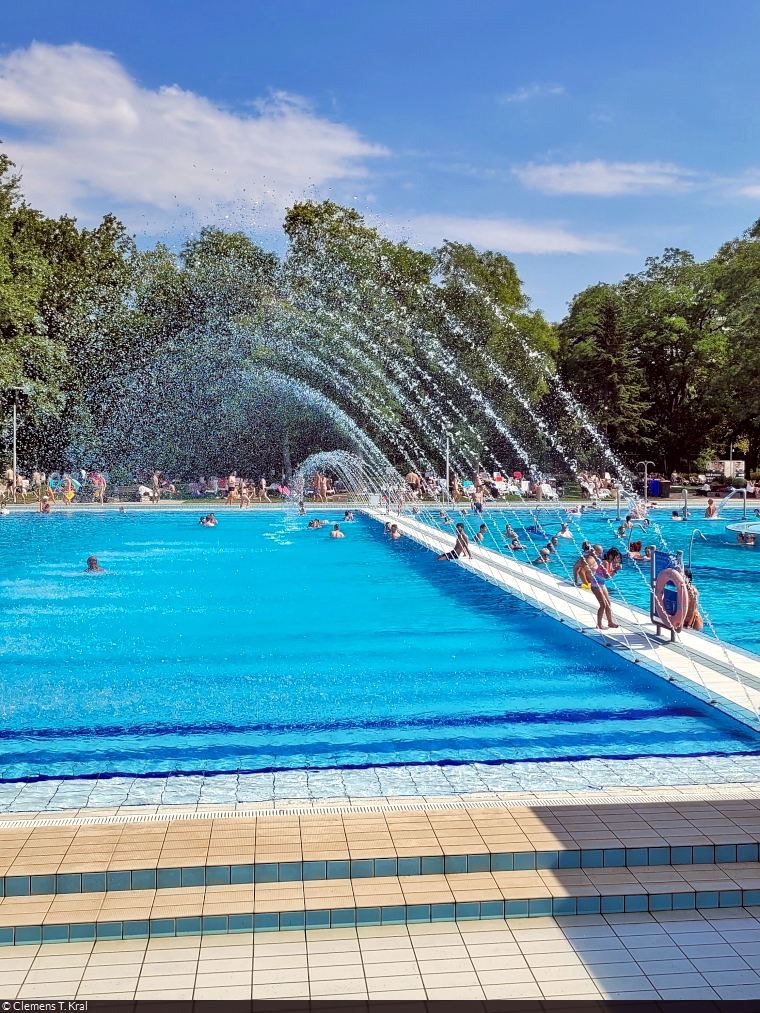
665	872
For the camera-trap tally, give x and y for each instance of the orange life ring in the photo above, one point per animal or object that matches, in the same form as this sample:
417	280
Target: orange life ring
675	577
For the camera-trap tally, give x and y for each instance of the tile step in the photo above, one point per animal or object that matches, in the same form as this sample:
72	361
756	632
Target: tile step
45	883
346	917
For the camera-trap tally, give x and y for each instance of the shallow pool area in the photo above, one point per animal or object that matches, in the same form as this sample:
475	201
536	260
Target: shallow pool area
259	648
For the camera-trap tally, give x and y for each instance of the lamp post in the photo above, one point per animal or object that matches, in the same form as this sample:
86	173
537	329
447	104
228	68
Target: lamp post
646	487
448	487
15	426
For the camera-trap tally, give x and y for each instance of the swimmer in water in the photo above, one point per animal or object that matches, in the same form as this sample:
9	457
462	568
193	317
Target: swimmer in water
564	531
515	545
509	532
348	516
301	510
481	533
92	565
395	533
675	516
636	550
543	557
336	532
211	520
711	510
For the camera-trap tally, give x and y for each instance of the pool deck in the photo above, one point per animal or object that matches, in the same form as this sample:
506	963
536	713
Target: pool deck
566	898
719	674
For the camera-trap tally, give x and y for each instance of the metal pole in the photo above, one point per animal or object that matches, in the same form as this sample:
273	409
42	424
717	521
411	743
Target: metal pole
15	397
618	504
646	483
685	504
744	514
448	487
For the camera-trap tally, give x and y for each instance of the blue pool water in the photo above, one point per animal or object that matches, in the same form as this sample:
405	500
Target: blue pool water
727	574
259	645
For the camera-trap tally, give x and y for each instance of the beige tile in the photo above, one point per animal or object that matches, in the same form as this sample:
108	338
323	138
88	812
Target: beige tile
395	982
339	988
516	990
170	992
168	968
454	992
384	969
54	974
272	975
281	990
219	979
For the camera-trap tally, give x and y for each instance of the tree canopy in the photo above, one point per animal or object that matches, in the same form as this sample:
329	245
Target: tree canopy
226	355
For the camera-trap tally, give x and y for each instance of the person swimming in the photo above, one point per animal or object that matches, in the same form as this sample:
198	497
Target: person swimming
635	551
711	510
675	516
543	557
564	531
336	532
515	545
348	516
482	532
395	533
92	565
509	531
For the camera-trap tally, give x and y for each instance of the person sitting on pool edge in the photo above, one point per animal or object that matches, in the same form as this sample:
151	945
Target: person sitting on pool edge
460	546
336	532
92	565
693	620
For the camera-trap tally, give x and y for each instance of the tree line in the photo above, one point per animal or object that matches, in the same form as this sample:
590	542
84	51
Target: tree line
225	355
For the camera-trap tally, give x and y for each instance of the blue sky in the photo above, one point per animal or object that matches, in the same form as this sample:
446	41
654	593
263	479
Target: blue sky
579	138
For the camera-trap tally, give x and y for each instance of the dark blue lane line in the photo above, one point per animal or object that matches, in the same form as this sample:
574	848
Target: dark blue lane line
391	764
473	721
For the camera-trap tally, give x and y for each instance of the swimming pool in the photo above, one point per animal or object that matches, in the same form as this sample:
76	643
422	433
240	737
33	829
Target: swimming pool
258	645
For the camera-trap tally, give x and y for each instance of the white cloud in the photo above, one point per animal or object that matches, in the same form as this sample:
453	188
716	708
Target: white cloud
506	234
751	190
533	91
90	138
605	179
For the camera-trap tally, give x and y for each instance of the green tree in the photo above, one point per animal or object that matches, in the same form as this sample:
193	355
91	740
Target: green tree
599	363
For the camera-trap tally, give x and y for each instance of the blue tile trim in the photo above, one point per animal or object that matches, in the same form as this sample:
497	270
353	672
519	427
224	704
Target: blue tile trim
370	868
273	921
